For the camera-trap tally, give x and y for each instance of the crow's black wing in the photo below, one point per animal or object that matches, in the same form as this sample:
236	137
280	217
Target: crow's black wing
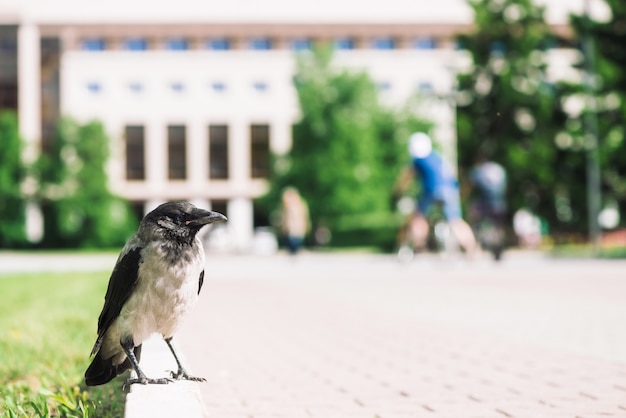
200	281
121	285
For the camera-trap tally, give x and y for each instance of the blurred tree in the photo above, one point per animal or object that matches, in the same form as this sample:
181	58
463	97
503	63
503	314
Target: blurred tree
79	210
12	174
609	82
55	185
508	109
347	148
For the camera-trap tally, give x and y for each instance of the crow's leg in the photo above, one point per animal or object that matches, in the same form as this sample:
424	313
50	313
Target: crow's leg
181	373
128	345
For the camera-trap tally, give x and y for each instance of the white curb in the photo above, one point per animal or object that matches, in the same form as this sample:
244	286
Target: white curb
176	399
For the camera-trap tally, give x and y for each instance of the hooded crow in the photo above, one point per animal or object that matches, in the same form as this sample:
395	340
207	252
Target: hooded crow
155	282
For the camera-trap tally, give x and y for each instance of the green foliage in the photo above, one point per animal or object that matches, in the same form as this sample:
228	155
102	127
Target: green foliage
373	230
12	174
508	110
347	148
48	324
79	210
608	40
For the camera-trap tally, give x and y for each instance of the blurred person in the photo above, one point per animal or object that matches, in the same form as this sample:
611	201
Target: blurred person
294	219
322	234
488	210
527	227
439	185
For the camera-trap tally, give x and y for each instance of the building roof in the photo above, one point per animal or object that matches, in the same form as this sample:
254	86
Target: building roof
254	11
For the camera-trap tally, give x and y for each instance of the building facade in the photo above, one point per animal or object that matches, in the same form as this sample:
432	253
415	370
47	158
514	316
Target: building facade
196	98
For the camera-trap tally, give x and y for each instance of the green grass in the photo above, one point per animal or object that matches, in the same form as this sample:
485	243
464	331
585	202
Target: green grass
47	328
586	251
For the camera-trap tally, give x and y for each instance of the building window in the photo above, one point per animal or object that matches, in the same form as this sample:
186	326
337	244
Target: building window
218	44
135	152
94	87
218	87
8	45
177	44
301	44
135	44
384	43
260	86
425	88
8	95
177	152
260	44
261	219
218	151
424	43
220	206
260	151
177	87
136	87
93	44
344	43
383	86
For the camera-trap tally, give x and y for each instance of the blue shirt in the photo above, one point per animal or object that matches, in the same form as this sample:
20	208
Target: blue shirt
434	172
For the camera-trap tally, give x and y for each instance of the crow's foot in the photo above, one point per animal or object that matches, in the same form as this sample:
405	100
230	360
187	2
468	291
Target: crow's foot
183	375
147	381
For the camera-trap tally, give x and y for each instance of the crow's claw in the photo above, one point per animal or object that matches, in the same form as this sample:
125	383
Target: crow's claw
183	375
147	381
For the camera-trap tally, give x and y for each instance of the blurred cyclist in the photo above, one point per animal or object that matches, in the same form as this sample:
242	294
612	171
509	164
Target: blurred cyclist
488	178
439	185
488	210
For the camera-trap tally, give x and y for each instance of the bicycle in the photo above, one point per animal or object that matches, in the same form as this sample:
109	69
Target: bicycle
489	229
440	239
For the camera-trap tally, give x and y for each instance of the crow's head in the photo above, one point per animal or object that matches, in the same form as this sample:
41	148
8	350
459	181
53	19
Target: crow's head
178	221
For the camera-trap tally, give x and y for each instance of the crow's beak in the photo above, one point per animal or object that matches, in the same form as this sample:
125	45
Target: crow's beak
205	217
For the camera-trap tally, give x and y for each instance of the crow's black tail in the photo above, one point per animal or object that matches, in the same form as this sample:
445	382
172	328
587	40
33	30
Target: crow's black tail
102	370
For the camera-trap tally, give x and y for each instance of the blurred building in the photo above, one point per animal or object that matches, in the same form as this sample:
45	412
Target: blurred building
196	95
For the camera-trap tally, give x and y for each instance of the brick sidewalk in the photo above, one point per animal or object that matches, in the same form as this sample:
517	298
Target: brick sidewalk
325	336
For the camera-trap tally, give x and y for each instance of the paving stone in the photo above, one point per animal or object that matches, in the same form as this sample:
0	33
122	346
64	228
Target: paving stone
331	336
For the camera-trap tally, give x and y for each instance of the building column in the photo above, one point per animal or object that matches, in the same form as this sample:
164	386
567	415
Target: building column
280	140
29	111
29	87
240	213
240	210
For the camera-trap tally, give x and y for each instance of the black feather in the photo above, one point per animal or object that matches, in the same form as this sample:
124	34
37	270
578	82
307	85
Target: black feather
121	285
200	281
102	371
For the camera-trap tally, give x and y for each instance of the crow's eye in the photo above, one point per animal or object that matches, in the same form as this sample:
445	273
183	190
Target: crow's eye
178	218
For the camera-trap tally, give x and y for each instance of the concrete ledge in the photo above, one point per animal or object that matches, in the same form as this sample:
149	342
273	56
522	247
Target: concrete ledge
177	399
